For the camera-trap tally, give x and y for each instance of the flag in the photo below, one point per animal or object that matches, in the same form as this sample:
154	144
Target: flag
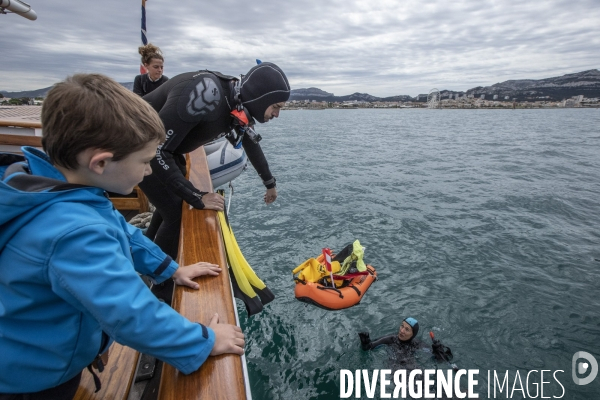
327	255
143	69
144	38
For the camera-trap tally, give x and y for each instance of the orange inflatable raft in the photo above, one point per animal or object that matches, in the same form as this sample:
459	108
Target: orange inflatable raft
348	292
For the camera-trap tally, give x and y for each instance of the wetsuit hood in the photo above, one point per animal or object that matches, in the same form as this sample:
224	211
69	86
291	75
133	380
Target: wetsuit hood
264	85
414	324
29	183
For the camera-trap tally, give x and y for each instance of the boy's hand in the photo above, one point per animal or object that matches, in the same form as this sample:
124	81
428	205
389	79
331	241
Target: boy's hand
184	275
228	338
213	201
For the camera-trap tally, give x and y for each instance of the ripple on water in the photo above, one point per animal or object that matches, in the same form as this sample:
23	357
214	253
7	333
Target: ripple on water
487	236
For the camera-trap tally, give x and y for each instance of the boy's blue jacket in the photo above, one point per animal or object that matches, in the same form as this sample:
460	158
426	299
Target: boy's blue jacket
68	265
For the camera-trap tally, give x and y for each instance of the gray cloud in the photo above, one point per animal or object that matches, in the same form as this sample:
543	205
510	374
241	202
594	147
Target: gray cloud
383	48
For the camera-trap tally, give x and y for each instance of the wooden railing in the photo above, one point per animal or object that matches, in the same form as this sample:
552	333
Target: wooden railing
31	130
20	140
219	377
138	202
21	124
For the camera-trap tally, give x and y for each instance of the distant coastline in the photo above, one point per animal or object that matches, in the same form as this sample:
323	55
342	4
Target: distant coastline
580	89
461	104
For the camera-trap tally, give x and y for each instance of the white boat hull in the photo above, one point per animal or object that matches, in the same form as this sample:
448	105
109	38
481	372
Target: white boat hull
224	161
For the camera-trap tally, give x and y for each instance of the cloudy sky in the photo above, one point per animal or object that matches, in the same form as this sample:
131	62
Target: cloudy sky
380	47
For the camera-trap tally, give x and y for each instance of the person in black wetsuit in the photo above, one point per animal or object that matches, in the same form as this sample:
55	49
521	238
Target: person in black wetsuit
153	61
196	108
404	345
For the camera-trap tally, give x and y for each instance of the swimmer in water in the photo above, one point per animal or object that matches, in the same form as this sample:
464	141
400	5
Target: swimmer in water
404	344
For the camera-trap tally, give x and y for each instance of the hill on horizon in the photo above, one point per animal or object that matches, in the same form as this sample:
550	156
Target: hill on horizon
585	83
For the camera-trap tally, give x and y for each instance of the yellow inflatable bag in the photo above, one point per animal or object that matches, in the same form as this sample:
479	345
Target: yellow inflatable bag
312	270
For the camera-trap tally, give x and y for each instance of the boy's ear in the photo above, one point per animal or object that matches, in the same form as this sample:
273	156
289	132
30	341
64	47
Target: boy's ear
98	160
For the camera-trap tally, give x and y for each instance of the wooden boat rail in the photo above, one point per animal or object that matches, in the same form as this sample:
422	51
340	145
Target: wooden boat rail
29	130
220	377
21	123
20	140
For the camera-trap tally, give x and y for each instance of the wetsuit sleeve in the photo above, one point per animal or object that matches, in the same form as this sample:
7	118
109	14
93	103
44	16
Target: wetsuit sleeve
137	85
382	340
192	100
259	162
99	280
167	170
148	258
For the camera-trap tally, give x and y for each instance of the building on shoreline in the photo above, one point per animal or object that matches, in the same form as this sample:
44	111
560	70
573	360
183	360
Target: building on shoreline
464	101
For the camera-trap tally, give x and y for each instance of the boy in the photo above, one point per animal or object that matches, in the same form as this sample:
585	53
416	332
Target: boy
68	260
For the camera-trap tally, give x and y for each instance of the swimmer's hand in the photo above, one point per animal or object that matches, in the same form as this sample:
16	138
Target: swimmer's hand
228	338
365	340
213	201
441	352
184	275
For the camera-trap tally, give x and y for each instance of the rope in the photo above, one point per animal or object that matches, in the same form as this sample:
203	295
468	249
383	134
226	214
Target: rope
142	220
230	197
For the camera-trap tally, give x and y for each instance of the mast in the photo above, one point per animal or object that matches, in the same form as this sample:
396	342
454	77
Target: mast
143	69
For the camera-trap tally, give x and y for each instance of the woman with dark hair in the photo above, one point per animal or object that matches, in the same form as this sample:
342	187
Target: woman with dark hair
153	61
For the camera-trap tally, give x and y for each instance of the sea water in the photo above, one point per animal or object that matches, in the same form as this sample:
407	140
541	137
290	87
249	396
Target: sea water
482	224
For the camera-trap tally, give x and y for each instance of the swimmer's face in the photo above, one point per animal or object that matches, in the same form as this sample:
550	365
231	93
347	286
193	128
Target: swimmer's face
405	332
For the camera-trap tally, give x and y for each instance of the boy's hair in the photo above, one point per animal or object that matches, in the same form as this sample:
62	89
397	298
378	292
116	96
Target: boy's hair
93	111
